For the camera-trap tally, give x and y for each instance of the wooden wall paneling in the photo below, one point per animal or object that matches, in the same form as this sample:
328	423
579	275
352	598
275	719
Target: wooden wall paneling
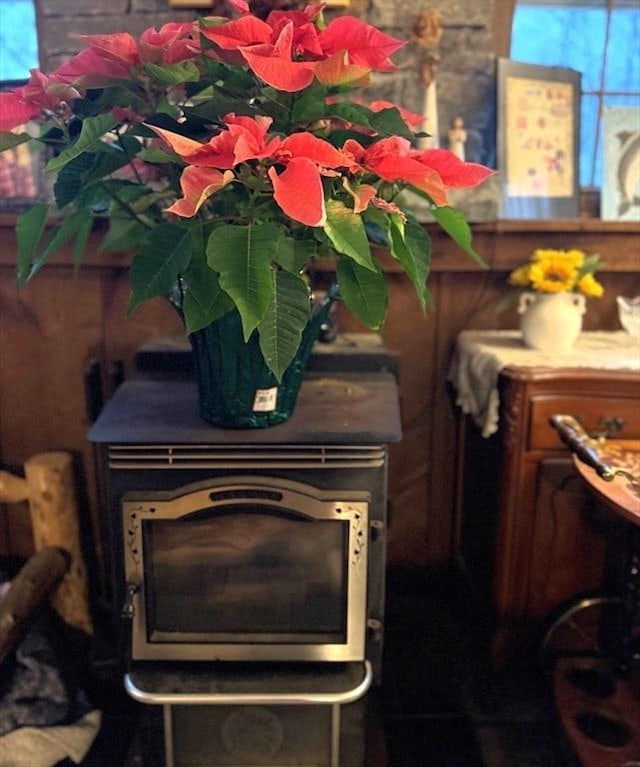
502	22
16	534
462	300
122	334
48	334
603	312
412	334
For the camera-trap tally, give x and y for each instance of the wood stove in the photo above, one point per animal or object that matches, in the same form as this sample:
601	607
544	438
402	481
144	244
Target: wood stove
243	557
245	570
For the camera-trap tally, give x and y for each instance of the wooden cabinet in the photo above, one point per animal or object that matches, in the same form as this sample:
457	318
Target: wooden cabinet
528	533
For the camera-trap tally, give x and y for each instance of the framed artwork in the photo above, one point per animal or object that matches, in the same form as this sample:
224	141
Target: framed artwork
210	3
538	140
191	4
620	197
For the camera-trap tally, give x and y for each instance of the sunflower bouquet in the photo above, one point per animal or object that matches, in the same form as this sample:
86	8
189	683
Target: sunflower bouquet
559	271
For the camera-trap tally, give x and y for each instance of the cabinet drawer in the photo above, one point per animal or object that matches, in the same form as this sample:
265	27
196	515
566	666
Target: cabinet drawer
589	410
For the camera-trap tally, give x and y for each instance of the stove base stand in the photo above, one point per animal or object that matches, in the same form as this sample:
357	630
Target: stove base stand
322	725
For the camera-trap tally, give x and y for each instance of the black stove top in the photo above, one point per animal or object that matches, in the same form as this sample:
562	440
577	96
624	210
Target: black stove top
333	408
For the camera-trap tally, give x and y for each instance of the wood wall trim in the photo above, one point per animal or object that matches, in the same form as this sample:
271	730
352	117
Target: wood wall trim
503	11
503	245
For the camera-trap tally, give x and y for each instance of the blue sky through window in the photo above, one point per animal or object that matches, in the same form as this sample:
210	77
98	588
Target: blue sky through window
18	39
574	36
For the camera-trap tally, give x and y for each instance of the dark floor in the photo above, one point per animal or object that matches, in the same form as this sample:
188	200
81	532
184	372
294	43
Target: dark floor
441	706
438	706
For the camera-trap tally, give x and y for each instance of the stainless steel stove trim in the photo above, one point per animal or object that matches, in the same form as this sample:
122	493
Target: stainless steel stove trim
335	700
352	507
167	457
251	699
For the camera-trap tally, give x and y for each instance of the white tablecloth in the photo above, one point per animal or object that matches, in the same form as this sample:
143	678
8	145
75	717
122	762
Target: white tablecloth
480	355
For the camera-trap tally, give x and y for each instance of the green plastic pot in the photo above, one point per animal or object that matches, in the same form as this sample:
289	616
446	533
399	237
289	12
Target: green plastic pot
236	388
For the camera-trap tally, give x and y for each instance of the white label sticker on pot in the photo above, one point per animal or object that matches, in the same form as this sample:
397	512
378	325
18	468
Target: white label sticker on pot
265	400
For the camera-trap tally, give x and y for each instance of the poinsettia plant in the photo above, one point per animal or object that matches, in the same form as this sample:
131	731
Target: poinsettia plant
227	153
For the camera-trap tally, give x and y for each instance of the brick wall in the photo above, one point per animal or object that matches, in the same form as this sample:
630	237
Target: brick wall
466	73
59	19
465	77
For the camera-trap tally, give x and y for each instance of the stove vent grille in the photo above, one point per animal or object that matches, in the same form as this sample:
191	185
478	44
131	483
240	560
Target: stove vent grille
246	457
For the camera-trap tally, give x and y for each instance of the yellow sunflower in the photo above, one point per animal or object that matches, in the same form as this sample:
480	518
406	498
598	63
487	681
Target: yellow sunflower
521	276
574	258
589	286
553	275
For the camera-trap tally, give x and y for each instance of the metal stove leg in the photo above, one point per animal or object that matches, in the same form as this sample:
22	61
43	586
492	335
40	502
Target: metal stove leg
335	735
168	735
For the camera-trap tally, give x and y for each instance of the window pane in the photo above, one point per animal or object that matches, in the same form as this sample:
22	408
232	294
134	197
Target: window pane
588	120
18	52
555	36
623	71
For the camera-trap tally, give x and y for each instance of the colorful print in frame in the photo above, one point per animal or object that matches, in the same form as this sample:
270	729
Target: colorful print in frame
538	140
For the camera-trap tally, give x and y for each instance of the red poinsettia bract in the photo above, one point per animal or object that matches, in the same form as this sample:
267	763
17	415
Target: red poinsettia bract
297	164
25	103
287	51
433	171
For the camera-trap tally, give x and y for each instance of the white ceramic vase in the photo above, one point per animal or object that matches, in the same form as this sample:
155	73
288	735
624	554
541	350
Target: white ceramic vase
551	322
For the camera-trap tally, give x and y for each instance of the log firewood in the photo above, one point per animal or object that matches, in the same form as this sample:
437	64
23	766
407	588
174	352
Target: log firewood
39	576
49	488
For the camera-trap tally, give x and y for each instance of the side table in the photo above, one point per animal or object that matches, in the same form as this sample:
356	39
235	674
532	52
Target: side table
598	696
524	529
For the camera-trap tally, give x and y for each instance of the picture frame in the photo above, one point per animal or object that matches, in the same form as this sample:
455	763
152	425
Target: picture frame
619	199
538	140
191	4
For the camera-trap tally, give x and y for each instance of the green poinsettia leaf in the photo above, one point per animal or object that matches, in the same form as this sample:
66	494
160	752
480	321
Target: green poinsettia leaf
242	257
364	291
281	327
88	167
455	225
163	256
105	164
72	178
293	255
156	155
124	234
8	140
310	105
93	129
29	231
71	227
411	246
204	299
346	231
351	113
82	239
389	122
100	194
174	74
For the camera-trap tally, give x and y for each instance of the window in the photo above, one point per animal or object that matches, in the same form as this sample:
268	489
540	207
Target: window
601	39
18	51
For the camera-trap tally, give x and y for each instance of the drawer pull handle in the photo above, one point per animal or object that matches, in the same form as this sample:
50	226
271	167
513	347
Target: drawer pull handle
609	425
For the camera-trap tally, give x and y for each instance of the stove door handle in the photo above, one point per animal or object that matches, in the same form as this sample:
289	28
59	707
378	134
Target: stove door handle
128	608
